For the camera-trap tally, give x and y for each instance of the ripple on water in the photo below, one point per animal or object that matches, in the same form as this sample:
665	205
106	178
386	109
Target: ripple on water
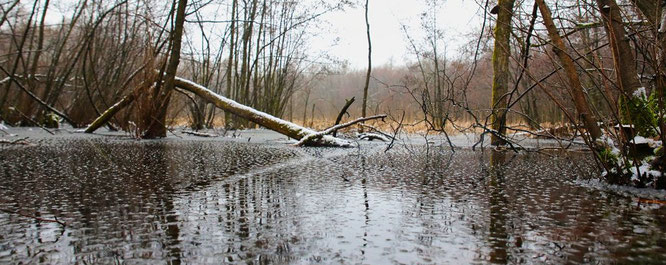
206	202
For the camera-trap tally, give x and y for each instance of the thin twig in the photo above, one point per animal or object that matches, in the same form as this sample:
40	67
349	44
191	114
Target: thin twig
395	133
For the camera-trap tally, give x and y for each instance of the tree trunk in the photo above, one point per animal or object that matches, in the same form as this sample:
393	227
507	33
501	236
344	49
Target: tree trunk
108	114
230	61
501	71
580	102
367	76
625	64
156	119
623	59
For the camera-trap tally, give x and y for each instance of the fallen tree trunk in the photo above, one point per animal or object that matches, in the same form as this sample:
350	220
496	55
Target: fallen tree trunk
108	114
266	120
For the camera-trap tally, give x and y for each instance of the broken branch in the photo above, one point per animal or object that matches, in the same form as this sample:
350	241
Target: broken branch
317	135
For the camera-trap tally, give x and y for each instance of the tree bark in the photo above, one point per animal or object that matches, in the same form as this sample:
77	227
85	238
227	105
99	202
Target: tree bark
501	71
348	103
580	102
109	113
156	119
625	64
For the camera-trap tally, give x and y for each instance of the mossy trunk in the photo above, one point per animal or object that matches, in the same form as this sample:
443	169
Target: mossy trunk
501	72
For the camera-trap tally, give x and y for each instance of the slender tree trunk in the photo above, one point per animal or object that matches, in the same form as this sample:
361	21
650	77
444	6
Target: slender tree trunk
501	71
40	41
162	95
580	102
230	61
367	76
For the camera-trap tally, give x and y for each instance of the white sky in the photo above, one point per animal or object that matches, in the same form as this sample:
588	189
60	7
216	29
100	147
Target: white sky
346	39
456	18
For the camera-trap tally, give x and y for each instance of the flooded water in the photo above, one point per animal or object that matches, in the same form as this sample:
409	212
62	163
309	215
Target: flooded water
212	202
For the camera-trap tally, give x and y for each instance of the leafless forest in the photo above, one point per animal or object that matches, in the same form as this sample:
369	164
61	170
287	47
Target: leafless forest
590	70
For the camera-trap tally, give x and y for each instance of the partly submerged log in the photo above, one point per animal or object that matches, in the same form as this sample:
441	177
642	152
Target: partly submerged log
292	130
263	119
108	114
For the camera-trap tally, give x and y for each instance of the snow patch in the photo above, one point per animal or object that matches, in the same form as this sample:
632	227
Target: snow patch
644	170
622	190
640	140
371	136
648	141
640	93
607	141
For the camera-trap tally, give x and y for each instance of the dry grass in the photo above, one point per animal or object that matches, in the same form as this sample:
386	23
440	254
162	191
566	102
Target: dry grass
388	126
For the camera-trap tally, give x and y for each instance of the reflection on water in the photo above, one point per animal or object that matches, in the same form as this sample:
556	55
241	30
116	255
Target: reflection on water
203	202
498	239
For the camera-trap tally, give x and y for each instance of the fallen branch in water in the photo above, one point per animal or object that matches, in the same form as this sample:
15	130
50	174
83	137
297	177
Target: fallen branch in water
376	130
318	135
266	120
21	141
54	220
373	136
200	134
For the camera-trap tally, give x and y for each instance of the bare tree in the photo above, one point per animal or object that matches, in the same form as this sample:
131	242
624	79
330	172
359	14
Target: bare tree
367	76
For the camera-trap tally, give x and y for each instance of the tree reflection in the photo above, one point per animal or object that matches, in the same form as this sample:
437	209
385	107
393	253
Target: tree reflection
498	236
156	159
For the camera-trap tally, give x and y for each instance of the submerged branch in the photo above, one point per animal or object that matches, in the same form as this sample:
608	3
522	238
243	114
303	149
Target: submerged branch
318	135
41	219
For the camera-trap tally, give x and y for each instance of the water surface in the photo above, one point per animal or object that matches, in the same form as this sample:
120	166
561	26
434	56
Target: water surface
211	202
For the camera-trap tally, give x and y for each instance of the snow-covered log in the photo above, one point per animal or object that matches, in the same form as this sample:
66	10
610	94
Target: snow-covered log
266	120
373	136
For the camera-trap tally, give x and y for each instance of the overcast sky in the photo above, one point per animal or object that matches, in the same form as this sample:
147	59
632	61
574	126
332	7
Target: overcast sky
345	33
456	18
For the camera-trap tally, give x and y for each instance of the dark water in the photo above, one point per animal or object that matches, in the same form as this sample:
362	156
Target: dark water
204	202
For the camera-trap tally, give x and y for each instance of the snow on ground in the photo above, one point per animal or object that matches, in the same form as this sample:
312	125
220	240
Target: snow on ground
640	93
597	184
